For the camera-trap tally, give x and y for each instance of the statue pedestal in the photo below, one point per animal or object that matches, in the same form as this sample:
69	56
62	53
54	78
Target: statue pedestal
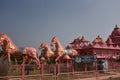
4	67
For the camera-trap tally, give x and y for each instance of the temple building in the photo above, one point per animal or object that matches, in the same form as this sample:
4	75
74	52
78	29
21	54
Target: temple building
107	51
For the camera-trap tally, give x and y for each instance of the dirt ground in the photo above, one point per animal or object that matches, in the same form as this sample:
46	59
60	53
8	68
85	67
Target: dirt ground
70	76
113	76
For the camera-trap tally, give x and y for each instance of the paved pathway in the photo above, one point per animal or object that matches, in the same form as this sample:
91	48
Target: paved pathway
102	77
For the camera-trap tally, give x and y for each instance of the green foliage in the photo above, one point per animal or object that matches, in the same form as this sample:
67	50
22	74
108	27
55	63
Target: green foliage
42	53
118	60
1	53
51	61
17	58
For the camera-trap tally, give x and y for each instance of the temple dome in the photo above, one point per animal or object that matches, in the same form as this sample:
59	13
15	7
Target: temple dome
116	31
115	35
109	41
98	40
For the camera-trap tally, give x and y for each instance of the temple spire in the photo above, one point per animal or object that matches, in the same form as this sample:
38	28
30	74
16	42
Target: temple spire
99	38
116	27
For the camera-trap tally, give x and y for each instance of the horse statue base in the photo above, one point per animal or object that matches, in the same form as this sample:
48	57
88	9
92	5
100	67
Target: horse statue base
4	67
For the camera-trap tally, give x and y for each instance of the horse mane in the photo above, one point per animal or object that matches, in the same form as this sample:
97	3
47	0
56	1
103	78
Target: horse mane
8	38
46	45
54	37
43	43
58	41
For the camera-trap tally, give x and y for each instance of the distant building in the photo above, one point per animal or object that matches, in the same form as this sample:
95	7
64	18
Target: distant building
108	50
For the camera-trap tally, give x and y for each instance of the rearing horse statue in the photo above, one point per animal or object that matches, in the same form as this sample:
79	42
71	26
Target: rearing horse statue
48	52
61	52
10	49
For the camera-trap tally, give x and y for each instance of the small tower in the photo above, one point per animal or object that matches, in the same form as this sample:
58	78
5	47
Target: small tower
115	35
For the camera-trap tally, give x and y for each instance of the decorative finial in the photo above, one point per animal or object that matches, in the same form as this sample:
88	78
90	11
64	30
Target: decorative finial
98	36
83	37
116	27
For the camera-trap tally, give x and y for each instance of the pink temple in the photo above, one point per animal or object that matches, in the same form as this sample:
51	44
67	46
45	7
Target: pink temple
107	51
99	45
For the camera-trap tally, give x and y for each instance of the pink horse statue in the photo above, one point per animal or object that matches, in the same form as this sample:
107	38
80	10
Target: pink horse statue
10	49
48	52
31	55
61	52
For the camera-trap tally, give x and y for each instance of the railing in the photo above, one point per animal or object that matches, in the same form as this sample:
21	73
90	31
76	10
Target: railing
50	73
89	75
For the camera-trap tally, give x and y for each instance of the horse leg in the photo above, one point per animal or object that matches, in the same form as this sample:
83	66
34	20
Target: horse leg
37	62
9	60
37	59
4	56
29	60
24	59
57	58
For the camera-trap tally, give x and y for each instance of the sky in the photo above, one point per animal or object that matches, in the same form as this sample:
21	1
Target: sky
31	22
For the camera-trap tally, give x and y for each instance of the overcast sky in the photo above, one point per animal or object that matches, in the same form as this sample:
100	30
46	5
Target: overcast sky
31	22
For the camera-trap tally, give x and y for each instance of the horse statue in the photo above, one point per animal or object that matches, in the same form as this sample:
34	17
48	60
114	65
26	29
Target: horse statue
48	53
31	55
61	52
10	49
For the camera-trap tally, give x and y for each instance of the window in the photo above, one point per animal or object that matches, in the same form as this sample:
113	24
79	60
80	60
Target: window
111	53
97	52
105	52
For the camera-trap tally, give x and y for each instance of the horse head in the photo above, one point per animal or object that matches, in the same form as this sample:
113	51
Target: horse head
53	41
42	46
2	39
46	51
31	55
6	41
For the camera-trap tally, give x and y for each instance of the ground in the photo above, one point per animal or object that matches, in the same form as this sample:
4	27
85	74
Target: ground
76	76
